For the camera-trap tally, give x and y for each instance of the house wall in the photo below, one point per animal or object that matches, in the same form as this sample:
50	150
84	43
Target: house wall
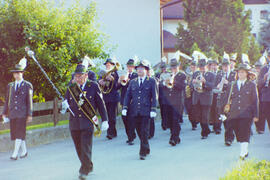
256	20
133	27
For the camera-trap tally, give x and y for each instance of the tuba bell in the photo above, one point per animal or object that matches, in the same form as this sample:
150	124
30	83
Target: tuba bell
198	85
168	79
123	77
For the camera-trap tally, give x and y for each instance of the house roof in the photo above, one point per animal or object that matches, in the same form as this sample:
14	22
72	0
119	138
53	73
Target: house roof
163	2
169	40
173	10
256	1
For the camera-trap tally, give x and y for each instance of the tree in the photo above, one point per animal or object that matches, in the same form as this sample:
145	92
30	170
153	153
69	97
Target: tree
217	25
264	37
58	36
254	51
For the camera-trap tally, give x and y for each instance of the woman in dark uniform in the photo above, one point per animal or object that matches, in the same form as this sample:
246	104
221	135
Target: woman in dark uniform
242	96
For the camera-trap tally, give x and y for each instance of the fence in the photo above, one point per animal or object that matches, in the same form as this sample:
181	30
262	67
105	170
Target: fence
43	113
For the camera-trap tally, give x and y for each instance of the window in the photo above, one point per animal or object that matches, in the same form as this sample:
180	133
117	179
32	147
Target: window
264	14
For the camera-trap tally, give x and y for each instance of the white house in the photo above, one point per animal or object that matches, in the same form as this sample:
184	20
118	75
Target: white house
260	11
173	14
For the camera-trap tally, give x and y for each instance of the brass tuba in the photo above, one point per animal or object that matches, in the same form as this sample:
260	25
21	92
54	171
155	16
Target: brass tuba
107	87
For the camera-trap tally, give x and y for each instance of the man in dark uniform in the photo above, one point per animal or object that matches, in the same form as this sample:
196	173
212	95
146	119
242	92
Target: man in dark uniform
161	99
174	94
264	89
203	84
141	102
213	111
188	95
80	125
18	108
130	130
91	74
222	81
112	98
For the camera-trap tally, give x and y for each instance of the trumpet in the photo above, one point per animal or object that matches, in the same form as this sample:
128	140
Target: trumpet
198	86
108	85
168	79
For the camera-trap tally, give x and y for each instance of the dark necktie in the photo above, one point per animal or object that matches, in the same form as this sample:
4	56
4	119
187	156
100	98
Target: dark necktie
140	82
17	86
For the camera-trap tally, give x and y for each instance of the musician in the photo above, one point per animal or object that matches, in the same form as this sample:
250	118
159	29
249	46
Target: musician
213	112
18	109
203	95
222	80
260	123
264	89
112	98
81	128
141	102
243	107
174	95
150	73
129	127
188	95
214	66
161	99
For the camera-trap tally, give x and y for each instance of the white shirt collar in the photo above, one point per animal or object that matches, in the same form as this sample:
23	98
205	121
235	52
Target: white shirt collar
18	82
84	85
143	78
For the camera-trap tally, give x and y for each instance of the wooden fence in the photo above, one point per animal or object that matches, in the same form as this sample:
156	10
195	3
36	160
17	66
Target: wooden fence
43	113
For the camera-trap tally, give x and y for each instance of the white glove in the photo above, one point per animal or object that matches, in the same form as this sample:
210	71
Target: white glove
124	112
6	120
222	117
104	126
153	114
65	106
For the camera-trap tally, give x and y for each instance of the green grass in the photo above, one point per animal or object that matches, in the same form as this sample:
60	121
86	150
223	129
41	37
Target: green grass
38	126
250	170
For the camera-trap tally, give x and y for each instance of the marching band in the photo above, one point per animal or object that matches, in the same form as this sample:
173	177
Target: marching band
234	97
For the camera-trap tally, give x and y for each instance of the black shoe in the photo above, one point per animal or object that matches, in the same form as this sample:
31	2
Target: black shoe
204	137
217	132
110	137
194	128
228	143
260	132
243	157
172	142
163	128
246	155
142	157
131	143
24	156
82	176
14	158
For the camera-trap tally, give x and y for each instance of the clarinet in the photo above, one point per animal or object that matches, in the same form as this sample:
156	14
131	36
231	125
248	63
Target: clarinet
268	77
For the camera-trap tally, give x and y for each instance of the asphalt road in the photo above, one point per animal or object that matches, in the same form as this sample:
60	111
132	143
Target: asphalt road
193	159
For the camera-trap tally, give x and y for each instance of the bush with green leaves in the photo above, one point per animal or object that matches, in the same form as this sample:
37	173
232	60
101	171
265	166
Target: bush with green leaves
250	170
59	36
